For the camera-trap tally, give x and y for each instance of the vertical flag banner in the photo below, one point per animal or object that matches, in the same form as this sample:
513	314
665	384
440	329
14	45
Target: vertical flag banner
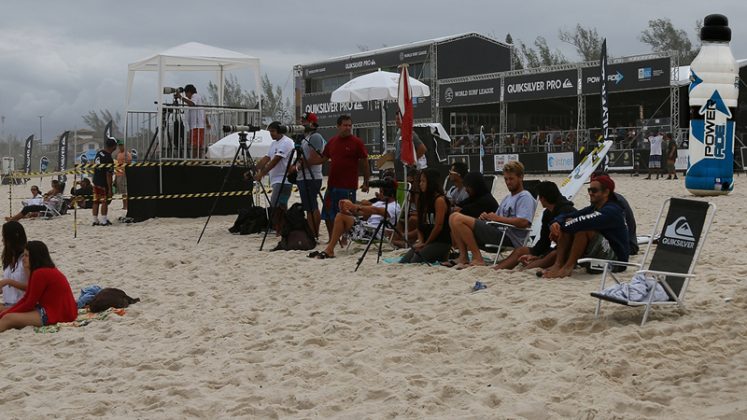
404	100
27	154
62	156
603	92
482	147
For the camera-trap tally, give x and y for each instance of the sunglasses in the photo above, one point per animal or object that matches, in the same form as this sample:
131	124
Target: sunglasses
594	190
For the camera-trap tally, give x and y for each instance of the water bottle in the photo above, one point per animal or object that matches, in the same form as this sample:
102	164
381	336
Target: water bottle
713	93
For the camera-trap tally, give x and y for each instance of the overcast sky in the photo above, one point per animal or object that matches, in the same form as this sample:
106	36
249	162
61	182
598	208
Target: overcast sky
61	59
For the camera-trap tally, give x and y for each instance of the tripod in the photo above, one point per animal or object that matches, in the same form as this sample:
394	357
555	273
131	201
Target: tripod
246	156
379	232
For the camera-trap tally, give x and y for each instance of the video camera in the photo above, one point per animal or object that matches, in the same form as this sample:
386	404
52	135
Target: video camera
172	90
232	128
387	184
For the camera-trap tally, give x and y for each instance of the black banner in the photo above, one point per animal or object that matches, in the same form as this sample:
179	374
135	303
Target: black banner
470	93
621	159
635	75
62	157
371	62
534	162
27	154
471	55
603	91
362	112
540	86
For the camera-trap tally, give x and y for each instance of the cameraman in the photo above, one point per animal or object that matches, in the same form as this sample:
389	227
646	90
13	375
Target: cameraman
309	179
275	164
195	118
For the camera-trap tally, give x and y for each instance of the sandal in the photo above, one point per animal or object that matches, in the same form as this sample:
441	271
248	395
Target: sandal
313	254
323	256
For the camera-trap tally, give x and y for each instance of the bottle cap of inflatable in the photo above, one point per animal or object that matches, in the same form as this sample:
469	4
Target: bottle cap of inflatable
715	29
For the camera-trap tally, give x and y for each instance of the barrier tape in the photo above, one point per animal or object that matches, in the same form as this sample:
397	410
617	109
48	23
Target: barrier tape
168	196
90	167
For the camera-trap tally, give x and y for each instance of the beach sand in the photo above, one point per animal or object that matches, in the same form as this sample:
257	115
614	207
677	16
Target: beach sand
224	330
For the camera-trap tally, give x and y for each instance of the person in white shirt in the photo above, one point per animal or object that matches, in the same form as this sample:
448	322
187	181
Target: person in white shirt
15	277
654	160
36	199
275	164
195	119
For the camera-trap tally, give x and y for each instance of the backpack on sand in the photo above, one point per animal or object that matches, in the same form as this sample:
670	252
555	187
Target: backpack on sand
251	220
295	233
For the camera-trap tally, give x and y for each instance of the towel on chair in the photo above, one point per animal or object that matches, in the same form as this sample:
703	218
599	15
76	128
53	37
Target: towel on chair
637	290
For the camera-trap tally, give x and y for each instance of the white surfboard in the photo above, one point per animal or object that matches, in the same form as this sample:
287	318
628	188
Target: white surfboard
573	183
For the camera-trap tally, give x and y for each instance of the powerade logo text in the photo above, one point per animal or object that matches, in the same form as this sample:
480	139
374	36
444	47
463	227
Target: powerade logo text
714	138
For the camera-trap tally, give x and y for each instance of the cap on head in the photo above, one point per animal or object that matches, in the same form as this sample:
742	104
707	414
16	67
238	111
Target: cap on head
110	142
310	117
606	181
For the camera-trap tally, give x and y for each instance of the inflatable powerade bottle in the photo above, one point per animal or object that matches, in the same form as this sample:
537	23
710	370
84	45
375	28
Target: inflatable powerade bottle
714	89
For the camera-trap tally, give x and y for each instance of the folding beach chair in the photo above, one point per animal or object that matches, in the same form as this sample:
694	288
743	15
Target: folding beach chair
403	199
54	207
673	261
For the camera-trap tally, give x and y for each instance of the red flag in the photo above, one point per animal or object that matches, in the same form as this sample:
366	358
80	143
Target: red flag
404	99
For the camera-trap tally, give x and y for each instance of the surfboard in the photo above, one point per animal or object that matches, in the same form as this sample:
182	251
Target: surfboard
573	183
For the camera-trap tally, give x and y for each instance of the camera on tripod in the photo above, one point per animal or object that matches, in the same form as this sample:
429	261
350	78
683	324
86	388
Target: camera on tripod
232	128
172	90
387	184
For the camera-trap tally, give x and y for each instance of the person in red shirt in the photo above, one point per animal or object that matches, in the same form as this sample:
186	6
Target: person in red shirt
48	299
346	152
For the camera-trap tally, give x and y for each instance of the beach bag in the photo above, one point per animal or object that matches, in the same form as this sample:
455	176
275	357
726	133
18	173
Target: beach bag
295	233
251	220
110	298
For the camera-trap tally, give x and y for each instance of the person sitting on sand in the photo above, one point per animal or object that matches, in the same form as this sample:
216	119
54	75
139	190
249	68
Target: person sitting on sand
516	209
479	200
596	231
372	211
83	195
51	199
434	238
48	298
36	197
541	255
15	277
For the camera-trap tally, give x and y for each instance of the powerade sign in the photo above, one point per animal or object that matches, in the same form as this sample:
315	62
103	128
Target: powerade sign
470	93
634	75
540	86
716	127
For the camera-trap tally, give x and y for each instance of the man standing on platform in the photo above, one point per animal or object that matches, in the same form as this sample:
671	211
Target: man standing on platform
196	120
347	152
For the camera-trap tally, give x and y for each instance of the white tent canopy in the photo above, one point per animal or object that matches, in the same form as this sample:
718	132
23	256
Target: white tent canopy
193	56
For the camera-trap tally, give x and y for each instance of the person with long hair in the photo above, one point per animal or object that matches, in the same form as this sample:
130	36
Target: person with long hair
48	298
434	238
15	279
479	199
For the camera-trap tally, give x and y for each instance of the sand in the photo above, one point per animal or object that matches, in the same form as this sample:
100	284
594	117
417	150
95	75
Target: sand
224	331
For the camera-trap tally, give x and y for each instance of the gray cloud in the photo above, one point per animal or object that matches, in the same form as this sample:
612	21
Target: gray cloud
63	59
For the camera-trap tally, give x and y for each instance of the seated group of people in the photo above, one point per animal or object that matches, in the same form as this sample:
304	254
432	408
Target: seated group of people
467	219
53	199
35	293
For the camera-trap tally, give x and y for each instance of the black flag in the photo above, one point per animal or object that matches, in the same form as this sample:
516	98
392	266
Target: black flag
62	157
603	93
108	131
27	154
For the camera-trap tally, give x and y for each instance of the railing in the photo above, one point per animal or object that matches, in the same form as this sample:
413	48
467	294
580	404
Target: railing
175	142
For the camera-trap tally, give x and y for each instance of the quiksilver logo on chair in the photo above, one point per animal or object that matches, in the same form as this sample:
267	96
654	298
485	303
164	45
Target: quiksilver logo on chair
679	234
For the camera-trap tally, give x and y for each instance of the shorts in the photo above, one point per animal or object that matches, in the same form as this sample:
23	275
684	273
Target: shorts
654	161
100	194
197	138
332	201
280	195
121	183
599	247
309	190
43	315
488	234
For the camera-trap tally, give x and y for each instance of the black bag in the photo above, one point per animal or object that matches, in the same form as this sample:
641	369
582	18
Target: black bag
295	233
110	298
251	220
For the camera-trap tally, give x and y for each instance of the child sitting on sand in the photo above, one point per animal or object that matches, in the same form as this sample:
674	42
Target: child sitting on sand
15	278
48	299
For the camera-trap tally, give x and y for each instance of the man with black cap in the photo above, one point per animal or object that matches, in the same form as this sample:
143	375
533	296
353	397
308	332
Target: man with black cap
596	231
102	182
